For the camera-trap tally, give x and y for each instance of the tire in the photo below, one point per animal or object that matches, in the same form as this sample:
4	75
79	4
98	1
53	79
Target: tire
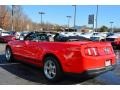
51	69
9	55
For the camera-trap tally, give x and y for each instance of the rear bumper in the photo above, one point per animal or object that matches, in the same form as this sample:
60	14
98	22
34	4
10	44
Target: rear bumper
99	70
93	72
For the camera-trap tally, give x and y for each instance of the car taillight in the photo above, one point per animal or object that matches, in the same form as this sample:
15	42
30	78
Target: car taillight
107	50
91	51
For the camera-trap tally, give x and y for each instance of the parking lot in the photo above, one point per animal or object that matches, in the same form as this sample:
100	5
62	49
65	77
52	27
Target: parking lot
21	74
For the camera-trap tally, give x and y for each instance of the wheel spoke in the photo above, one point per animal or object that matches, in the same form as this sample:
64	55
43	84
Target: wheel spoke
53	72
49	72
47	67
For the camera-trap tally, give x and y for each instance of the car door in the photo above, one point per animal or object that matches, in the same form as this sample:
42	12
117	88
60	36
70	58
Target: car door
29	47
33	48
20	48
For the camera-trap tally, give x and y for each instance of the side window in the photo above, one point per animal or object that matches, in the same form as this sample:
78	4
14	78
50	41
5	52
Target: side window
42	37
31	37
37	37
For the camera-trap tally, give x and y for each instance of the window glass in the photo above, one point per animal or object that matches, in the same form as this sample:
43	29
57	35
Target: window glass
42	37
31	37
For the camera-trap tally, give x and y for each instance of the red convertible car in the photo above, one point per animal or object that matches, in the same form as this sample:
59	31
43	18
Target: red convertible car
66	54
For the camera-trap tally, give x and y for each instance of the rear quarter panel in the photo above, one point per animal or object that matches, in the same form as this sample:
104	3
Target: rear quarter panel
68	55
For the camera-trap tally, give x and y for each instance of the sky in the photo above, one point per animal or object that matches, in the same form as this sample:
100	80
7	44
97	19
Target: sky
56	14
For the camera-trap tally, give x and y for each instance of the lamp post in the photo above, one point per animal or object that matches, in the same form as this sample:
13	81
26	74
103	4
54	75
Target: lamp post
96	18
111	26
68	20
74	16
12	17
41	13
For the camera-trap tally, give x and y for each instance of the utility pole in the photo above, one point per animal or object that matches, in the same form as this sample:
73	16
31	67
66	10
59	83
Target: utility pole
41	13
68	20
12	17
74	16
96	18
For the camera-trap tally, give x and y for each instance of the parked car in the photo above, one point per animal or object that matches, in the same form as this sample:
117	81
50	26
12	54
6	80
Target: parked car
114	39
86	35
5	33
58	57
110	34
19	35
23	34
6	37
99	36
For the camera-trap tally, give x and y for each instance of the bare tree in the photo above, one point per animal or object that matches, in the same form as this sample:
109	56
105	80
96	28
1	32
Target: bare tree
21	22
5	17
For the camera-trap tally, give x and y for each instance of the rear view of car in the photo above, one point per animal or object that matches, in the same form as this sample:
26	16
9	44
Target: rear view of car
98	57
87	56
90	58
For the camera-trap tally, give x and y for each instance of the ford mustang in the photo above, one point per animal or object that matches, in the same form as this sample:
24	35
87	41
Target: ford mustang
62	54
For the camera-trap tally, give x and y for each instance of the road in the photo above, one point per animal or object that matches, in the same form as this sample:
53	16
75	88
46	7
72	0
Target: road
22	74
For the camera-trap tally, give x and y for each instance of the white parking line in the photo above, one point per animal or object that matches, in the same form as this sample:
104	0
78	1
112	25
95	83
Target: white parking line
8	64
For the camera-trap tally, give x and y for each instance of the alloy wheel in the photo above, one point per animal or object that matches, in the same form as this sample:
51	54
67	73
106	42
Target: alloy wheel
50	69
8	54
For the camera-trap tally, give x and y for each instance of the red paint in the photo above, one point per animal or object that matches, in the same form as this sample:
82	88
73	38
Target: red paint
6	39
71	55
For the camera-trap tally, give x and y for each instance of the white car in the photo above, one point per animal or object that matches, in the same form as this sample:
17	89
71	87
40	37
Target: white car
5	33
67	34
23	34
86	35
97	38
113	37
17	35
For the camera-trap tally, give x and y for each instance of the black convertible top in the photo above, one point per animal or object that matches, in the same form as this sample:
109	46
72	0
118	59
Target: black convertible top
63	38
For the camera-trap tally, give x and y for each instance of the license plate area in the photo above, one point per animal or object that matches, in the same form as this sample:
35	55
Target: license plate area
108	63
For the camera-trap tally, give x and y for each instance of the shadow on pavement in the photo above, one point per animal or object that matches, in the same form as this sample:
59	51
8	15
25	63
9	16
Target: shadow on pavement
34	74
2	59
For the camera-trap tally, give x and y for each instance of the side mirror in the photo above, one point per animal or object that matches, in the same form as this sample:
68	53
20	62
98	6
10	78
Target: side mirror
21	38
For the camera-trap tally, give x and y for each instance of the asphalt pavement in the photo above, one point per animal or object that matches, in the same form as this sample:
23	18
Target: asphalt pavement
18	73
